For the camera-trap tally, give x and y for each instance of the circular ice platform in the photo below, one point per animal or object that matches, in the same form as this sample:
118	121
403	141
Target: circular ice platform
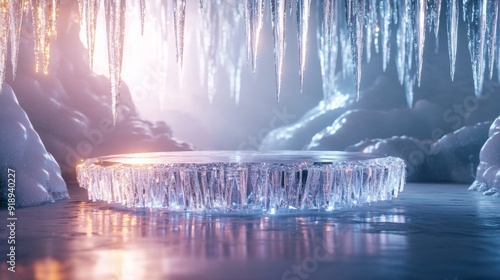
242	181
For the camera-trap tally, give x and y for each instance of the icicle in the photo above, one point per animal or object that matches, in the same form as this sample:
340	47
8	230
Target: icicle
452	27
37	31
50	14
371	25
54	16
355	27
433	16
179	20
409	72
434	11
404	38
16	19
386	12
92	9
492	34
409	87
115	28
81	9
498	59
142	6
4	38
328	44
476	15
249	20
303	12
421	10
44	16
349	10
254	15
278	13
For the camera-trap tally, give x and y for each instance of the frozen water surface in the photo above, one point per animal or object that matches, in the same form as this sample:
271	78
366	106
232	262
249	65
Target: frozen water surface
430	232
237	180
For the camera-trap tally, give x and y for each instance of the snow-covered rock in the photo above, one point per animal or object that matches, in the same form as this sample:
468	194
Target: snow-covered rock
35	175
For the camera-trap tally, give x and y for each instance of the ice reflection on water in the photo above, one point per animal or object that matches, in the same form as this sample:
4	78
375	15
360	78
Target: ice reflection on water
242	237
451	233
113	243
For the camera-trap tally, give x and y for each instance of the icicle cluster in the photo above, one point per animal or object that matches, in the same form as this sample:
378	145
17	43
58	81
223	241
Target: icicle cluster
44	15
347	32
262	182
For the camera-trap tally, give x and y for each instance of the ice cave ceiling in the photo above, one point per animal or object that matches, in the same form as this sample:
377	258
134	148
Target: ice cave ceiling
347	32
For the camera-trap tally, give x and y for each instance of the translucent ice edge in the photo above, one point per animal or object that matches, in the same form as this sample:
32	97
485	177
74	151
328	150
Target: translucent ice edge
267	182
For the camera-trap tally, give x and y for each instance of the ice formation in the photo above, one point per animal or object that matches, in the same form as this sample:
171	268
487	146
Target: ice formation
452	158
269	182
37	176
355	29
487	178
439	138
69	107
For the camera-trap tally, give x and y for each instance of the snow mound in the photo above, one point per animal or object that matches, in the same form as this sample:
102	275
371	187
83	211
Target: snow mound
36	173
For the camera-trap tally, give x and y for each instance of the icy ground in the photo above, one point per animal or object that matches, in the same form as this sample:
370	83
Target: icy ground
429	232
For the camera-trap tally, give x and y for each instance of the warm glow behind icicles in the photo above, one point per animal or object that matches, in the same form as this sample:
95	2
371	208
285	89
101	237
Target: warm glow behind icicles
16	19
346	34
44	17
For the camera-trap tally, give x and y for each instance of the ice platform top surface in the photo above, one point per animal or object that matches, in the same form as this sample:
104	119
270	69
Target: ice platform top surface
206	157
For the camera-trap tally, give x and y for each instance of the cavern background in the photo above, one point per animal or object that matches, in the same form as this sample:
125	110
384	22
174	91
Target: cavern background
161	102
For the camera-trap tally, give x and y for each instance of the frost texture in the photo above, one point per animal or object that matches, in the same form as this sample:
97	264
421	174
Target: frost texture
268	182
